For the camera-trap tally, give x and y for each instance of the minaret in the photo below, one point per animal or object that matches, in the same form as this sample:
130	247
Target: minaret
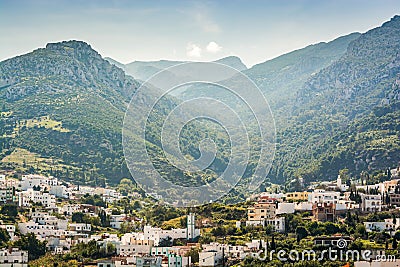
339	181
191	226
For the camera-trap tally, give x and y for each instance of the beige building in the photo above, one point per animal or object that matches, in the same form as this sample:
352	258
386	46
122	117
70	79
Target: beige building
297	196
264	209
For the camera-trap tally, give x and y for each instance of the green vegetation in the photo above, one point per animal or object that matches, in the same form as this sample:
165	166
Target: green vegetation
336	106
29	242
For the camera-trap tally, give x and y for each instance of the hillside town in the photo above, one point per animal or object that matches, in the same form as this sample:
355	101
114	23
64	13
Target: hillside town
64	216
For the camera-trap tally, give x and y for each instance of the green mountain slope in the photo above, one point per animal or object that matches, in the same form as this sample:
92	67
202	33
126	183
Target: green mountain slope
347	114
282	77
336	106
65	104
71	84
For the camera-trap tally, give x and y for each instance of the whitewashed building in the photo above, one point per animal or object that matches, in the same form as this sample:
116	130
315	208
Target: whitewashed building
210	258
371	203
34	180
156	234
59	191
117	220
80	227
322	196
178	261
277	223
13	258
286	208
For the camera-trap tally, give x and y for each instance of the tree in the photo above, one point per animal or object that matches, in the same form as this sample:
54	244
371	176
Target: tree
137	205
219	231
89	250
104	219
331	228
77	217
165	242
269	229
4	237
301	232
360	230
127	227
273	244
194	254
397	235
394	243
9	210
115	212
387	198
349	219
29	242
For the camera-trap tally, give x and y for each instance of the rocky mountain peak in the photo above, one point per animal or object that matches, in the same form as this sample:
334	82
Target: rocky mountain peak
73	48
394	22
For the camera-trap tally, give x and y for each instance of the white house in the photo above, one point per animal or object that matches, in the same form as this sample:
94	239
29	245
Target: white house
68	209
46	199
146	261
13	257
210	258
132	249
41	231
387	225
6	194
277	223
117	220
109	195
156	234
31	180
278	196
342	187
285	208
178	261
59	191
322	196
229	250
371	203
80	227
376	226
303	206
44	218
164	251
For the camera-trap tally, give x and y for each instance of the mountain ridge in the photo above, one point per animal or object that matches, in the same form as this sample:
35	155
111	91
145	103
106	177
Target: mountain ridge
335	103
143	70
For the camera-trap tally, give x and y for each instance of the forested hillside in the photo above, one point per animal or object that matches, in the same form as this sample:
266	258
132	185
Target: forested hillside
336	106
347	114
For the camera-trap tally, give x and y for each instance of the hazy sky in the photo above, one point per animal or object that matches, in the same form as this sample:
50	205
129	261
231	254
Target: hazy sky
186	30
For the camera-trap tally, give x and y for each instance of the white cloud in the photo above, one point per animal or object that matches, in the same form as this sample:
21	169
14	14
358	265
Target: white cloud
193	50
213	47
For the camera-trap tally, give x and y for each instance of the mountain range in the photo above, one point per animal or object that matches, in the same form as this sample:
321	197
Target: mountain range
336	106
143	70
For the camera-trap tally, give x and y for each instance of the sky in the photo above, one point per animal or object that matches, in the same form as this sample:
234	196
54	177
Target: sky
128	30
